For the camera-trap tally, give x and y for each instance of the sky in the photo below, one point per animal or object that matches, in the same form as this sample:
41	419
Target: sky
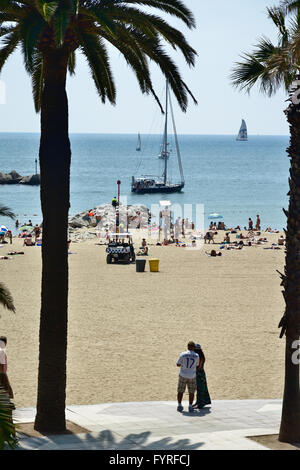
225	29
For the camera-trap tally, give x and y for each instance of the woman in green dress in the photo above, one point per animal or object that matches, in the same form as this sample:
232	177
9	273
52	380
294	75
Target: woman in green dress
203	397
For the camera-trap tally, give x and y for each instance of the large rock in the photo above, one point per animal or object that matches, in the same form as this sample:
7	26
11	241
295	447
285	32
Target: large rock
33	180
107	213
78	222
10	178
14	178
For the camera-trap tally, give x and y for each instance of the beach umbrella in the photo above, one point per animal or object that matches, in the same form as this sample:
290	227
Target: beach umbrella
214	215
3	228
26	228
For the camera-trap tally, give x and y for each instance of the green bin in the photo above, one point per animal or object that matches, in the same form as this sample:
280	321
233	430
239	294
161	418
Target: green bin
140	265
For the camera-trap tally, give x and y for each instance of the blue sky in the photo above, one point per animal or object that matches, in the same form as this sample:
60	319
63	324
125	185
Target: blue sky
225	29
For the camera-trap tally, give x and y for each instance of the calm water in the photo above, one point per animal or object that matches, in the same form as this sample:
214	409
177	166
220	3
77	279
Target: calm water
235	179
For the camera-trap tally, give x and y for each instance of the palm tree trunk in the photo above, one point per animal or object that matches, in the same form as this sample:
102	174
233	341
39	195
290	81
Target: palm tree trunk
55	159
290	420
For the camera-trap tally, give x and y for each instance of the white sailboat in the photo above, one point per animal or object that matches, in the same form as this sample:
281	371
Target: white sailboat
139	143
161	184
242	135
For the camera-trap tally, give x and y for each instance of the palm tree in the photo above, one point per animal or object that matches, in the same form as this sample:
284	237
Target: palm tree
272	66
50	33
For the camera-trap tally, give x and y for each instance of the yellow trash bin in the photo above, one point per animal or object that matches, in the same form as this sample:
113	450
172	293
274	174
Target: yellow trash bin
154	263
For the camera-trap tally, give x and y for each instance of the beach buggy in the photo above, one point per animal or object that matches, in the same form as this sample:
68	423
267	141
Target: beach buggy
120	248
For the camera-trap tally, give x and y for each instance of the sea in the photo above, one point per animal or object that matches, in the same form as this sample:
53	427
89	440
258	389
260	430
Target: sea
236	180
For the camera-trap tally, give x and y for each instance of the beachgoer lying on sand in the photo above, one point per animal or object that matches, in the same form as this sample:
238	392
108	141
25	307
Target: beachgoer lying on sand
28	242
16	253
214	253
4	257
273	247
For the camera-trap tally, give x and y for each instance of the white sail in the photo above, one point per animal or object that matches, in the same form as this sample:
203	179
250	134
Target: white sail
139	143
242	135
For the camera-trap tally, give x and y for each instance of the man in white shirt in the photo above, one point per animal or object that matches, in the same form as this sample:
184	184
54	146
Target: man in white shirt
188	362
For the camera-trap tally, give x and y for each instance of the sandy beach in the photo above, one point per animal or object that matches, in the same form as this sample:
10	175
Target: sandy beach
126	329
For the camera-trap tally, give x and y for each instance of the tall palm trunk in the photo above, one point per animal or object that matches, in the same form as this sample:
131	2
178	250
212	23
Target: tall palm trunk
290	420
55	159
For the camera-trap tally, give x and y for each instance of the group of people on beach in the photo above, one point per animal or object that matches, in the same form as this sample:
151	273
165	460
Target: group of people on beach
192	376
250	224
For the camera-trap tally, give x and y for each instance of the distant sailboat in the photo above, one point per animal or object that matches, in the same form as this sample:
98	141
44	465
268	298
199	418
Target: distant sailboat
242	135
139	144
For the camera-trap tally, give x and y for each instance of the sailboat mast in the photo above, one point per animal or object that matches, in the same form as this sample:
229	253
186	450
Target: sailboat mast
165	143
176	143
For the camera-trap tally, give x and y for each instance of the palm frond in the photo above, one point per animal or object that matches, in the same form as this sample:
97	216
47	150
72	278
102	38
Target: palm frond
37	80
31	29
72	63
278	17
148	24
6	298
61	19
95	51
290	5
251	71
156	52
269	65
6	212
135	58
7	427
46	8
172	7
10	42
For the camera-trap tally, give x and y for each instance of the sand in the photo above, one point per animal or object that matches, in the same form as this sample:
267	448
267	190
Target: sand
126	329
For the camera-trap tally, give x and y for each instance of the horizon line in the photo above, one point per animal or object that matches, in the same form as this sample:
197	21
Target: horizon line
135	133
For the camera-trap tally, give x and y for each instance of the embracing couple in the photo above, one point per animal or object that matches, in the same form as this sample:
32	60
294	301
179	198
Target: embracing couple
193	377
